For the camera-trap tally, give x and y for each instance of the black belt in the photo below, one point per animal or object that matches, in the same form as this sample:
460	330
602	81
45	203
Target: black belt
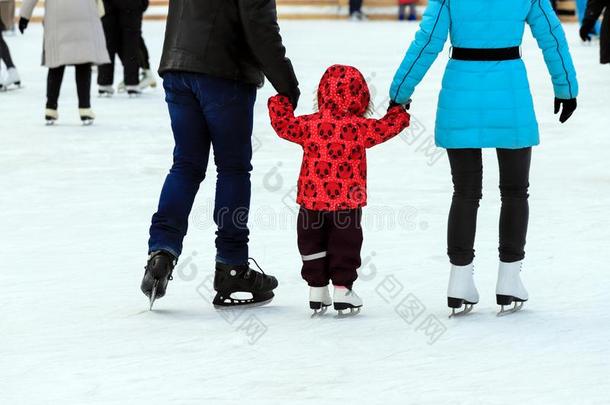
489	54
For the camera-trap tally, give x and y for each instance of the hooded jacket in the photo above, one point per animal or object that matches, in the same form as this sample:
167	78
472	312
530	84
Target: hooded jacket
335	139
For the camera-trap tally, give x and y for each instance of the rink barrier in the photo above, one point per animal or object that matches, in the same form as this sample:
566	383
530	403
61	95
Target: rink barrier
321	9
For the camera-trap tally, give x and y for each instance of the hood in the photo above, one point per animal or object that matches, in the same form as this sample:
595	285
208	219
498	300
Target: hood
343	90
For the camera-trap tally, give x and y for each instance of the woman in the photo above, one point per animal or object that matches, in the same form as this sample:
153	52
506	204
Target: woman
12	76
485	102
73	35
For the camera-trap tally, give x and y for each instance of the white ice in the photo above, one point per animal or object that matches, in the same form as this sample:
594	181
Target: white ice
75	209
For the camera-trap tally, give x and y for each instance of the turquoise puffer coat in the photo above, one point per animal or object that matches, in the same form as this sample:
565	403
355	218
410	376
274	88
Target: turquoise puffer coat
486	104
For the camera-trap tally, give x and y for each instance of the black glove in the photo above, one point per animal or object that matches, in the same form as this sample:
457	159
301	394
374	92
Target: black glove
145	4
23	24
394	104
294	96
585	33
569	106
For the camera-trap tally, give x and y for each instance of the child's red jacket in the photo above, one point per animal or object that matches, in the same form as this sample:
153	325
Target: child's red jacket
335	139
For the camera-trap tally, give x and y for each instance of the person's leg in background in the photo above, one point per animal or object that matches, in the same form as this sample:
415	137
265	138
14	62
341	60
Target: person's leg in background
5	53
514	183
130	22
105	77
83	85
467	176
312	235
355	7
54	81
229	109
191	135
12	76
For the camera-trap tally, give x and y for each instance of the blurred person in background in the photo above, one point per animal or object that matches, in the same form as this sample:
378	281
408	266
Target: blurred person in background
402	10
11	79
594	10
355	10
73	36
122	24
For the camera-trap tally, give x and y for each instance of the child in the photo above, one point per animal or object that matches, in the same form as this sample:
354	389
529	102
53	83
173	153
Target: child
402	8
332	183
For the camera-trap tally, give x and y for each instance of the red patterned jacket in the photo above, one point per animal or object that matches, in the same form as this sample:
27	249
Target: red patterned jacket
335	139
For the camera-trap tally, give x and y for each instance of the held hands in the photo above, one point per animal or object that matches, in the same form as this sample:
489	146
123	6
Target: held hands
23	24
405	106
569	106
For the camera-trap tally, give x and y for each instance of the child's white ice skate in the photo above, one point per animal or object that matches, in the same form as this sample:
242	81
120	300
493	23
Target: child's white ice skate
510	289
319	300
461	290
344	299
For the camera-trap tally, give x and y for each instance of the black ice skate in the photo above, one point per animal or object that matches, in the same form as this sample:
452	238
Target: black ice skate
230	281
158	273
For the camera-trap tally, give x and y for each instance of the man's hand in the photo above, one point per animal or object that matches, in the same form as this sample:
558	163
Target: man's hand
294	96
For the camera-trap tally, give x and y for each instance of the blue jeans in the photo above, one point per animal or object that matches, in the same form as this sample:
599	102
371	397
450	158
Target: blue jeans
207	111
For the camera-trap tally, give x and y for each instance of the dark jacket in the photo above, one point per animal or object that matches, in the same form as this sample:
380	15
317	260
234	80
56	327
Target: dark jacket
233	39
594	10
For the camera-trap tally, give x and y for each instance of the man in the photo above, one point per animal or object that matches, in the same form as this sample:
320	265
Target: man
122	23
594	10
216	54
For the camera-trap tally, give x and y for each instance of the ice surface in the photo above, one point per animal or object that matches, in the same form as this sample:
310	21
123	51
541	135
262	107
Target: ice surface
76	204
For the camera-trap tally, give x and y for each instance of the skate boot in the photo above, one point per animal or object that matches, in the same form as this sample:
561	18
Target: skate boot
319	300
344	299
461	290
50	116
12	79
158	273
133	91
121	88
510	289
147	79
105	91
86	116
241	286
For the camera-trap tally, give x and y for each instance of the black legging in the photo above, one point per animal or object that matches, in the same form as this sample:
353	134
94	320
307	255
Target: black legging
83	85
467	174
5	54
355	6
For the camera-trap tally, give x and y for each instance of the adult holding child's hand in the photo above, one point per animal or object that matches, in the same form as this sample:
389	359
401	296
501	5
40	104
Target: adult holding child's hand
486	102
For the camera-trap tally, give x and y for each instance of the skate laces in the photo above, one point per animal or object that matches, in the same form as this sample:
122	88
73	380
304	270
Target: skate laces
260	278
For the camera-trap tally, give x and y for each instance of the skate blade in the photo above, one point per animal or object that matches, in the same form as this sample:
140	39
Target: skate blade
50	123
517	306
467	309
245	305
317	313
341	313
87	122
153	295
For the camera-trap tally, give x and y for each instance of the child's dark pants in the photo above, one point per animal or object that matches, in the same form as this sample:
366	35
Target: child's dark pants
330	243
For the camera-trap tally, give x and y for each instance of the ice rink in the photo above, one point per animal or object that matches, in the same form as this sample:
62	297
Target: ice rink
75	209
